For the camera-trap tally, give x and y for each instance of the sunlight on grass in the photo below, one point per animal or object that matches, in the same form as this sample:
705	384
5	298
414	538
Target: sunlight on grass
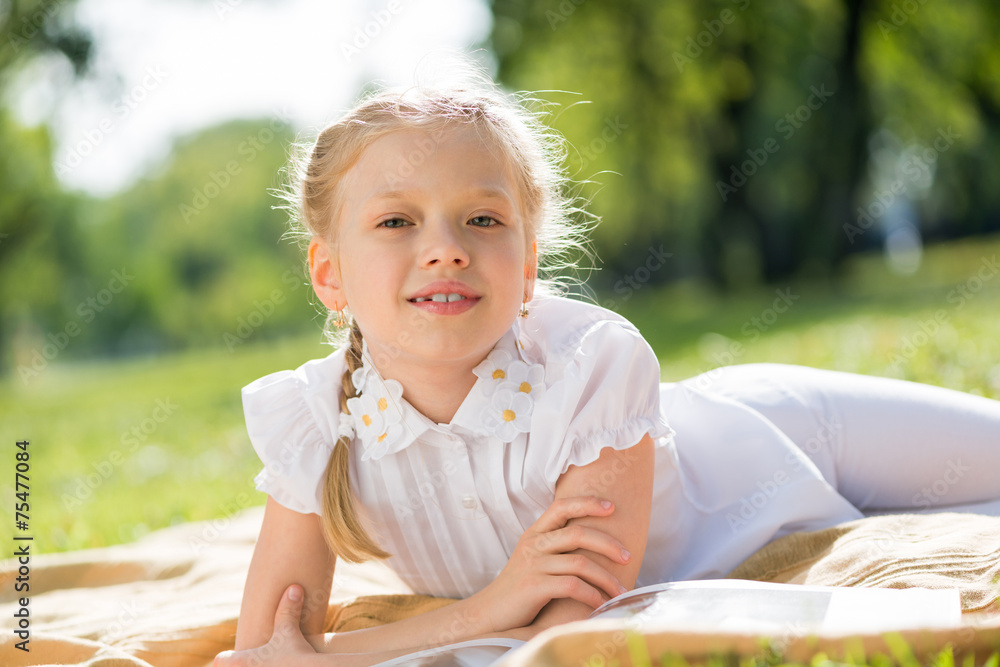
120	448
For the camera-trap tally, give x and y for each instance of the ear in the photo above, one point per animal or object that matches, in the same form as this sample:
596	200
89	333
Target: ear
530	272
325	273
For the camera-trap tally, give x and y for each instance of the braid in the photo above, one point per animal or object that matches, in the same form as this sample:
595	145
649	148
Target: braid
342	527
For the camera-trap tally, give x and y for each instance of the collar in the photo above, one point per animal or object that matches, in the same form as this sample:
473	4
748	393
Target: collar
498	405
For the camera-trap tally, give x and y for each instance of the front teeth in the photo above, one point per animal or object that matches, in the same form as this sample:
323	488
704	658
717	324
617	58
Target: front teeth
441	298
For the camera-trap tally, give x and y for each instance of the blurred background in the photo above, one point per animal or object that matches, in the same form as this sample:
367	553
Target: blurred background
812	181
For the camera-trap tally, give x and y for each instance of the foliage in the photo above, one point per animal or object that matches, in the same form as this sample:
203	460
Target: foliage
190	255
39	240
744	136
752	142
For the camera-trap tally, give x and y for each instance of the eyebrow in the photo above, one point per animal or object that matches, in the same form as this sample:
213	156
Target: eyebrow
478	193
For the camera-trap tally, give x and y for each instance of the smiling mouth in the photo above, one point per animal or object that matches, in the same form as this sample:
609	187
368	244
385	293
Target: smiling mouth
439	298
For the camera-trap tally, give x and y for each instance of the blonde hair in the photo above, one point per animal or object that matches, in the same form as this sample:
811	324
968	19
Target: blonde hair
536	155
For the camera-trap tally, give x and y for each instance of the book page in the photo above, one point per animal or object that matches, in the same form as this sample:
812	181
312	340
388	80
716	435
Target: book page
884	609
472	653
782	609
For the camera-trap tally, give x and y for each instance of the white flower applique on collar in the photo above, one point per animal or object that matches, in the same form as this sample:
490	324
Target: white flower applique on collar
377	420
511	387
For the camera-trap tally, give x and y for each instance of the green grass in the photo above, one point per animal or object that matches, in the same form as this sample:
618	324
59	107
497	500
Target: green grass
194	463
197	463
901	656
874	322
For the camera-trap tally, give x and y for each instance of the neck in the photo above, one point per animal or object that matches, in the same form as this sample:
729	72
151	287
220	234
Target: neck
435	388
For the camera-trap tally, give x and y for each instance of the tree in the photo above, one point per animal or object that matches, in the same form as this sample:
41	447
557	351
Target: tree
746	127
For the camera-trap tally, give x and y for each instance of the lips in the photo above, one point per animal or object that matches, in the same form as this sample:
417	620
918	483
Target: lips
444	291
440	298
445	297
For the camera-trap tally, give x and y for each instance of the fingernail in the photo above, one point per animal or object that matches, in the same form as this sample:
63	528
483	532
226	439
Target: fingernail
605	504
294	593
625	554
622	589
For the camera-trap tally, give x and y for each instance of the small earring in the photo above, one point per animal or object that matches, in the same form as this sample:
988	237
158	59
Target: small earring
524	310
340	321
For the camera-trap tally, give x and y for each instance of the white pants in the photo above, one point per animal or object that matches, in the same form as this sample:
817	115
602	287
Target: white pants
893	445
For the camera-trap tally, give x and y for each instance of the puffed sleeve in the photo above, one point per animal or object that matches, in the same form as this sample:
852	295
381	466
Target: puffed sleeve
284	432
608	396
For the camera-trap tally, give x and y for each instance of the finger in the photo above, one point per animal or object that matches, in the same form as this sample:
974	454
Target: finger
224	659
576	536
580	566
564	509
289	610
577	589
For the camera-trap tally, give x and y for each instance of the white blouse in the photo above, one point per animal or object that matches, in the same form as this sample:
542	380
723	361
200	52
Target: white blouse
450	501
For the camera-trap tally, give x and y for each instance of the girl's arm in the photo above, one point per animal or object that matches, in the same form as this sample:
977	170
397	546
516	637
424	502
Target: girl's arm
288	646
290	549
457	622
626	478
541	570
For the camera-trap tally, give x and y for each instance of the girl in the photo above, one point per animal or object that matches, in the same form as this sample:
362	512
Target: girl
502	444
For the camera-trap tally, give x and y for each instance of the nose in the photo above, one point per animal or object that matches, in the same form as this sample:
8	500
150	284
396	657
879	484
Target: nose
443	244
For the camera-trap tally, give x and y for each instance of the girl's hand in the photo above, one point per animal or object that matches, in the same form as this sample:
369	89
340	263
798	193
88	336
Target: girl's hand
287	646
541	569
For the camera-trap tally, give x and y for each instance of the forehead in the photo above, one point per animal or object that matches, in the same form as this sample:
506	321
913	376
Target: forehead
453	159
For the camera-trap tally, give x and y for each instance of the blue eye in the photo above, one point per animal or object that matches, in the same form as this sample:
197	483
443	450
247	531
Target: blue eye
484	217
387	225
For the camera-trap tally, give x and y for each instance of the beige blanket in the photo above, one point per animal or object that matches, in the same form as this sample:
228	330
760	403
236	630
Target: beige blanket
172	598
931	551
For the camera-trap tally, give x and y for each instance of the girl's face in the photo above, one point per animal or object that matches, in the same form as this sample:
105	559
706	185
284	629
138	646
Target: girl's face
424	213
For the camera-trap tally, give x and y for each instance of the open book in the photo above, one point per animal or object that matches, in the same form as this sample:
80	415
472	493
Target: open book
735	605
